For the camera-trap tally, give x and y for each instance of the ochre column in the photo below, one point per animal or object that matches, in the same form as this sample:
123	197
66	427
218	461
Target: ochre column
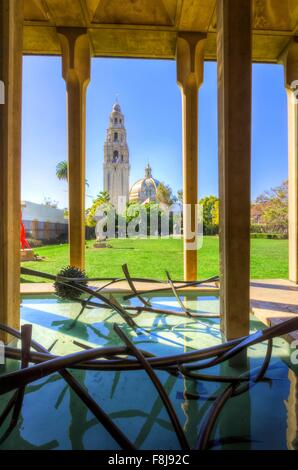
291	81
190	73
234	55
76	59
11	49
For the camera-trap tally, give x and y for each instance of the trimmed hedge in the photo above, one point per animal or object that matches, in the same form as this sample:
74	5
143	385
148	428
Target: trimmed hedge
210	229
269	236
269	229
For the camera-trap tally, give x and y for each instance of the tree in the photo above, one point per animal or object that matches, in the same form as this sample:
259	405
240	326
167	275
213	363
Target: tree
180	196
103	198
271	207
147	218
164	194
210	211
215	213
62	171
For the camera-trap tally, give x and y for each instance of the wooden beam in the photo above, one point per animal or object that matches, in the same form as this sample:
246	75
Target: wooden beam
291	82
76	60
190	72
234	48
11	36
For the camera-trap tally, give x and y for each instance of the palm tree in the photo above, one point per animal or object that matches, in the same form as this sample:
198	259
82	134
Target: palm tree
62	171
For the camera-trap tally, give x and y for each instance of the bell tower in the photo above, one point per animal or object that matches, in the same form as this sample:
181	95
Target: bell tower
116	157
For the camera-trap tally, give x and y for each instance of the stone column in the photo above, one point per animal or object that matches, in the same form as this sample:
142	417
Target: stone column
291	82
190	73
76	60
11	50
234	55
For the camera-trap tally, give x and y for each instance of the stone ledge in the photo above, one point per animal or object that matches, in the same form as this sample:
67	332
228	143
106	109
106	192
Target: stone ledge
274	301
121	287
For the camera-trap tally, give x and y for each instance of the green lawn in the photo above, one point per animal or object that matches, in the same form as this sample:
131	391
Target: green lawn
151	257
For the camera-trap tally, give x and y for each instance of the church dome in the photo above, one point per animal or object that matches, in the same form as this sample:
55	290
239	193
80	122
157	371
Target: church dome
145	188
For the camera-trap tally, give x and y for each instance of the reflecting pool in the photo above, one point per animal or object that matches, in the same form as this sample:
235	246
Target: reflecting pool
54	418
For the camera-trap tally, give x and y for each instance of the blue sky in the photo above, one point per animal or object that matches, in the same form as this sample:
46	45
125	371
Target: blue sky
151	102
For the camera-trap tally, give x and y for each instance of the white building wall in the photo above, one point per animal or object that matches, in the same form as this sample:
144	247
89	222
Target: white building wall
43	213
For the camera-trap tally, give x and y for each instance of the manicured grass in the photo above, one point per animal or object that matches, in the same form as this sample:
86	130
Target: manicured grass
151	257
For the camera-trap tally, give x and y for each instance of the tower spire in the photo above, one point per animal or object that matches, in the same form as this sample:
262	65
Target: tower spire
148	171
116	157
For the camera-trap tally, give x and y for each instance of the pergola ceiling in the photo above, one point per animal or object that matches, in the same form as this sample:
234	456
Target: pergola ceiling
148	28
159	13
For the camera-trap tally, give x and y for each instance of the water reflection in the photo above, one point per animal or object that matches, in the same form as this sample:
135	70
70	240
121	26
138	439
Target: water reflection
54	418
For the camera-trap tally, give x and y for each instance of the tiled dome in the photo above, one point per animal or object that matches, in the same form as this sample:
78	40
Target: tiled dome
145	188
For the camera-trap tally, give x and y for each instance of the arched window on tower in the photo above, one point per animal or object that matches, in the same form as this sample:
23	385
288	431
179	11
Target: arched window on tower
122	158
115	156
115	136
116	121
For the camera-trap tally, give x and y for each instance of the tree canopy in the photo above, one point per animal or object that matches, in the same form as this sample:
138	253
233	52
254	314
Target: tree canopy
62	171
271	207
101	199
164	194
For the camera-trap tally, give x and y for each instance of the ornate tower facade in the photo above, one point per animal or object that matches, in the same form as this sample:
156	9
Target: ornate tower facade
116	158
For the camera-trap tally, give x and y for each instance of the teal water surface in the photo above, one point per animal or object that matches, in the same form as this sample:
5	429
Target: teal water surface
54	418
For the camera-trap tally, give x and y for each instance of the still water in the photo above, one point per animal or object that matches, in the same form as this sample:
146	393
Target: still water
54	418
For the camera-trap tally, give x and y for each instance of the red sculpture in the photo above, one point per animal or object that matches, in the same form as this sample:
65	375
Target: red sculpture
24	243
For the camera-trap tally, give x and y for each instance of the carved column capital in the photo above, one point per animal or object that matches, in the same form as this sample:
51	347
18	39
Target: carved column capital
76	54
190	59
